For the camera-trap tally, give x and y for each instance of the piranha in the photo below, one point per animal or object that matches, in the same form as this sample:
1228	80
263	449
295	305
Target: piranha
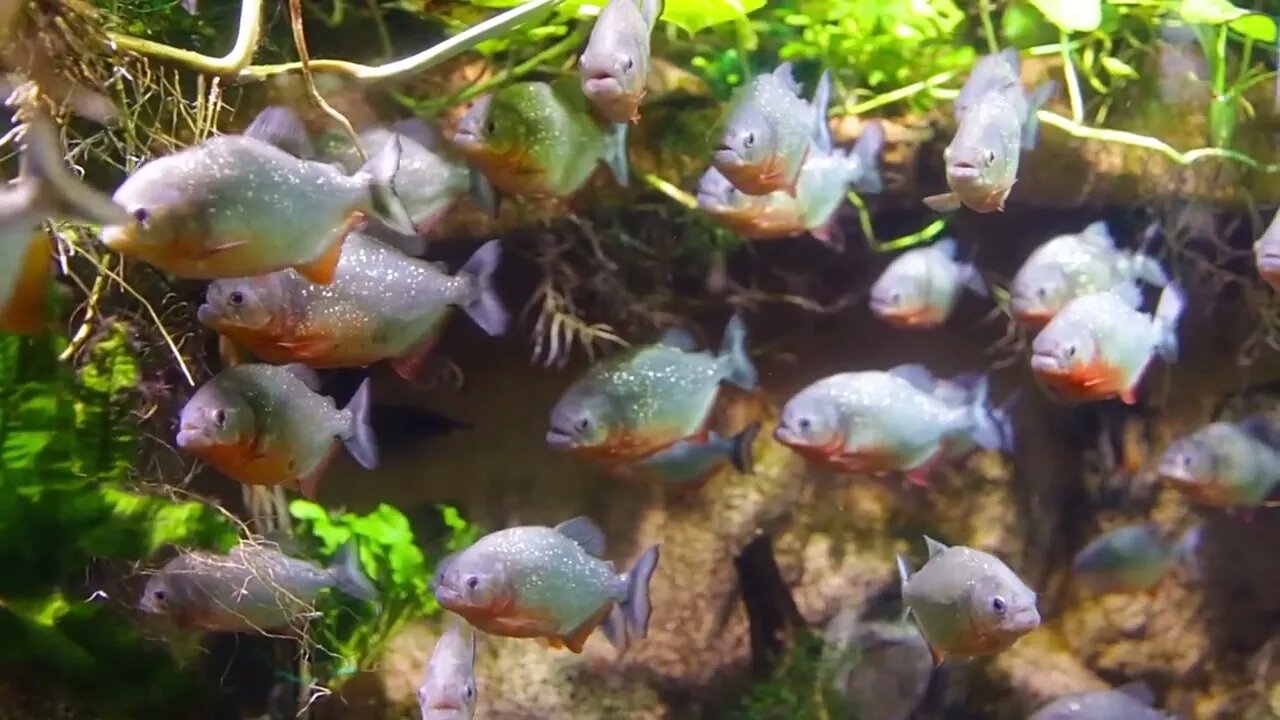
553	583
45	189
427	181
825	178
997	121
967	602
690	461
532	138
770	133
1223	464
881	667
629	407
1128	559
267	425
1074	265
920	287
251	588
615	64
879	422
448	691
1132	701
1098	346
241	206
381	305
1267	253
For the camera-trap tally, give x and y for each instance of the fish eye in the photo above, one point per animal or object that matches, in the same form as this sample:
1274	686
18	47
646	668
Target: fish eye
158	594
895	298
805	423
220	418
491	126
629	64
469	691
582	424
236	298
1042	293
749	140
990	156
1071	351
473	582
998	604
142	215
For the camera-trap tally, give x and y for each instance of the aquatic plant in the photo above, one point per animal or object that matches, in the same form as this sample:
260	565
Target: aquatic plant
799	689
68	501
350	636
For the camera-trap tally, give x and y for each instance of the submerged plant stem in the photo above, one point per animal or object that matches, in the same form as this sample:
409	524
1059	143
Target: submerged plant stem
300	41
241	54
688	201
1073	81
1145	141
414	64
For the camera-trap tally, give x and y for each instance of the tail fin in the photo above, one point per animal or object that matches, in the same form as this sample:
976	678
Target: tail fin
972	279
821	103
348	576
742	449
359	440
485	306
381	173
988	431
739	369
1168	311
865	157
1031	125
616	154
1146	268
56	184
630	619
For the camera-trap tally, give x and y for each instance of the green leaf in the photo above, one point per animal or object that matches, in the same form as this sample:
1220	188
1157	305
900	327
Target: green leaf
1072	15
697	15
1218	12
1118	68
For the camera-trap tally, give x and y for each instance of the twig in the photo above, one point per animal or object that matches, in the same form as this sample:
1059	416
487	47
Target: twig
413	64
90	315
688	201
505	75
1073	82
300	42
247	40
988	30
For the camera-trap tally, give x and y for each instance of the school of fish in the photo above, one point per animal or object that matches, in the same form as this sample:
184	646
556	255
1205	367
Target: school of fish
308	270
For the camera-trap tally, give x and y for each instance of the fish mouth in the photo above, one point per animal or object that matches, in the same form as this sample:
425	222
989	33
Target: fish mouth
191	438
724	156
120	238
466	139
560	439
1047	363
208	315
962	171
1025	620
1269	262
602	84
789	437
448	598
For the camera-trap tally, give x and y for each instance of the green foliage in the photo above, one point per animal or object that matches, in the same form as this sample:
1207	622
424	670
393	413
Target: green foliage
800	689
873	45
1253	25
67	442
353	633
1072	15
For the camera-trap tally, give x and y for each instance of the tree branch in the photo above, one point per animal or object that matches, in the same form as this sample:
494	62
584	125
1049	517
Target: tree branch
463	41
247	39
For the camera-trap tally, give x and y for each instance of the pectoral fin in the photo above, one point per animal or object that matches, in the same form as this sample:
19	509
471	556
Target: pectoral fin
323	269
946	202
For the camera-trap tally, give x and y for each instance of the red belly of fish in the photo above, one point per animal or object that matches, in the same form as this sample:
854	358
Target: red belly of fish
925	316
1095	381
239	463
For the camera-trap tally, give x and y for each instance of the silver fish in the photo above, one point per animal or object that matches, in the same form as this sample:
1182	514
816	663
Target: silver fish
1127	702
920	288
251	588
448	690
967	602
615	64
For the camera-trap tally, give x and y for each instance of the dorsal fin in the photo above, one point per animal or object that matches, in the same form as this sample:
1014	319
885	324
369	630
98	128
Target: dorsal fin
1263	428
946	246
419	131
783	73
916	374
584	532
1139	691
935	548
1097	234
280	126
309	377
678	338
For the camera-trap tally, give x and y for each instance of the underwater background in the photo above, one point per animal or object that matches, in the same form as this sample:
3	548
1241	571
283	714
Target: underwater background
777	594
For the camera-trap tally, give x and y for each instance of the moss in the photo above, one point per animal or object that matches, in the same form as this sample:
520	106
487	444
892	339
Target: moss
799	689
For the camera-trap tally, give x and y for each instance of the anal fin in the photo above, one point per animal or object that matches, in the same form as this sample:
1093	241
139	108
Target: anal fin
323	269
24	311
409	365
